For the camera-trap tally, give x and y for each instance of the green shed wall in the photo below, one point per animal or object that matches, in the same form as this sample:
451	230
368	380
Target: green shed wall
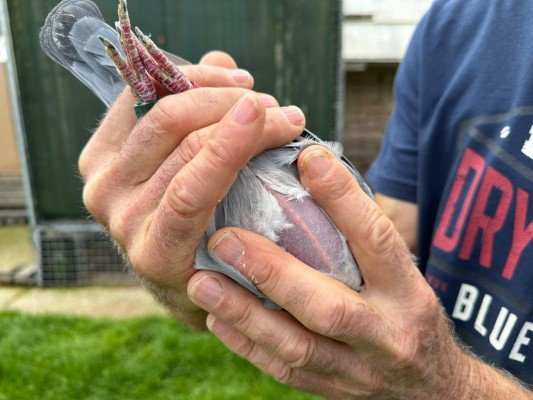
290	46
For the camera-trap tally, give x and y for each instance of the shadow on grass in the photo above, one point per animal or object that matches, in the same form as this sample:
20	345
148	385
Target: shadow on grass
55	357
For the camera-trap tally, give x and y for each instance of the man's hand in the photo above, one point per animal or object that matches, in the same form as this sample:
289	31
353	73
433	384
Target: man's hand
391	341
154	183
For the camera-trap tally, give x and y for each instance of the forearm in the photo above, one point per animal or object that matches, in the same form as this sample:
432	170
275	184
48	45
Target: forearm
486	382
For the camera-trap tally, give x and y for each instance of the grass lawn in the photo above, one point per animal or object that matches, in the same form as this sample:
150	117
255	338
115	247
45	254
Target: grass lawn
55	357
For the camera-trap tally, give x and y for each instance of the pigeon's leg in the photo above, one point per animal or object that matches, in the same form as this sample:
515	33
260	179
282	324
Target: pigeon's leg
164	62
156	72
147	60
125	70
147	92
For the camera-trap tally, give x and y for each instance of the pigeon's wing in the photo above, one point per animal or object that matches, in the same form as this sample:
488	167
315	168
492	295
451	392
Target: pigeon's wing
70	38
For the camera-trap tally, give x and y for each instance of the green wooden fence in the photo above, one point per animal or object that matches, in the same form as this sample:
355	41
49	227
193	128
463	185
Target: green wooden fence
290	46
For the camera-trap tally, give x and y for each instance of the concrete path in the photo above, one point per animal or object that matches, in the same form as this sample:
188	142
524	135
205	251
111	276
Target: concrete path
17	258
17	265
112	302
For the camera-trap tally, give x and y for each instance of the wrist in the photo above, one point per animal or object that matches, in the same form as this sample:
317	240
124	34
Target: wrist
487	382
462	374
466	384
177	302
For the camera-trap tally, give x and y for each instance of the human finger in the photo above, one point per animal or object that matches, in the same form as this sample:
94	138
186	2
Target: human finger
322	304
178	224
219	59
383	257
243	346
281	126
120	119
110	135
214	76
275	331
166	125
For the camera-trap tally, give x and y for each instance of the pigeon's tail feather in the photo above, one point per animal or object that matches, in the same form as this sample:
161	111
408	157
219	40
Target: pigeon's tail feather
70	37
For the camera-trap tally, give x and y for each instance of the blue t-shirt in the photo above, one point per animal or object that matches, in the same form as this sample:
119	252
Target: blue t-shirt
460	145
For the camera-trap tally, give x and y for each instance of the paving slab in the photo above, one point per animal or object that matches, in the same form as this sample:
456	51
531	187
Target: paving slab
10	294
112	302
16	250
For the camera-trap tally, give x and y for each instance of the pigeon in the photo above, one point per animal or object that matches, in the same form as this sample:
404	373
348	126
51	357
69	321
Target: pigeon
266	198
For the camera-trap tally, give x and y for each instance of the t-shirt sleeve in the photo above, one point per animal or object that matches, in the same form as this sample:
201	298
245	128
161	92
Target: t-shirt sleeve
394	172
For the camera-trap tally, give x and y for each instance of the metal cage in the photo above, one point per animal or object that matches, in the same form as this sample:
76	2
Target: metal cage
78	253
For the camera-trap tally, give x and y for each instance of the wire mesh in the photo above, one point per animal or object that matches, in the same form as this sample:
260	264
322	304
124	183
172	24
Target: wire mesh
78	254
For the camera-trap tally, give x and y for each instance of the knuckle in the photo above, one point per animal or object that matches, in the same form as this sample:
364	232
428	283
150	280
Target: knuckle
266	274
137	260
285	374
118	227
405	356
338	185
150	268
122	223
332	320
341	319
244	318
95	196
298	353
164	119
219	153
181	201
149	265
190	146
84	165
245	348
89	198
381	233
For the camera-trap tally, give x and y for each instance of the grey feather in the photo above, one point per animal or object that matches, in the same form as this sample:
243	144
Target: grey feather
70	37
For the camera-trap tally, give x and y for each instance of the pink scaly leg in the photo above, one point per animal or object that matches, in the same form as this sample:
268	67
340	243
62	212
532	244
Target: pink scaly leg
127	39
126	72
156	72
164	62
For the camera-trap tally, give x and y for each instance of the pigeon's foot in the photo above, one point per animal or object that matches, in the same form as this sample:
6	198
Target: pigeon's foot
145	65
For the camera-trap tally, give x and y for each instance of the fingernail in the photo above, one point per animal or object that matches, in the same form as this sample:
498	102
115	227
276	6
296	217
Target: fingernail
246	111
240	75
294	115
207	291
219	328
316	164
230	249
269	101
210	321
